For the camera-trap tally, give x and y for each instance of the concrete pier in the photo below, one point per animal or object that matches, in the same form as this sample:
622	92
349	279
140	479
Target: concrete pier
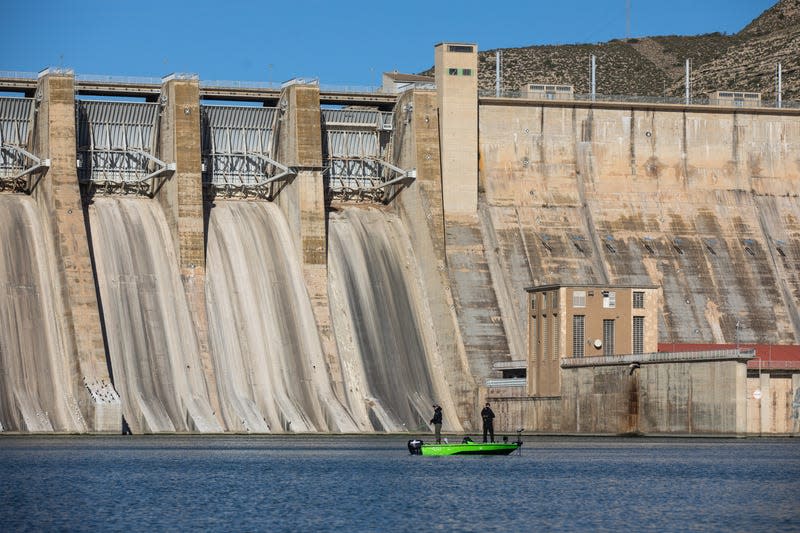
181	197
58	197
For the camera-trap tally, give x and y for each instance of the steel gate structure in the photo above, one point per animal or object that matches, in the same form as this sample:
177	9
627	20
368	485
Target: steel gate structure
356	144
238	144
18	166
117	143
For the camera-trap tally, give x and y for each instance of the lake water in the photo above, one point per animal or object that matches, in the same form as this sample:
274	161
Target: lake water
312	483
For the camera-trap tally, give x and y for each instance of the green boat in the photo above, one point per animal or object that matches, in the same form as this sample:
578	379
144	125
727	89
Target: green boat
466	447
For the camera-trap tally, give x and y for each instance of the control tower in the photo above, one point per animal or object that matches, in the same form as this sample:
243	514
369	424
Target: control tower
457	94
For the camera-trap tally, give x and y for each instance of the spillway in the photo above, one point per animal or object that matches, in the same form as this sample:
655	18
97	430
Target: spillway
382	322
35	393
152	343
271	371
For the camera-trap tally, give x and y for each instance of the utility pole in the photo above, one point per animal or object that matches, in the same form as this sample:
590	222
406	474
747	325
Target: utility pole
688	82
627	19
779	91
497	72
594	87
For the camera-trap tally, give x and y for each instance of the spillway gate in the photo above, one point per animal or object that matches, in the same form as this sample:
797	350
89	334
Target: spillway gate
18	165
117	146
356	146
238	146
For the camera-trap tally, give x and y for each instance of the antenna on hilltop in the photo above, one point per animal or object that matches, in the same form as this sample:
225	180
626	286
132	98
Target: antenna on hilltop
627	19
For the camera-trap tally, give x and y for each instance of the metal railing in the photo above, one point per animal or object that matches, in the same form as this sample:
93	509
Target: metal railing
760	364
18	75
116	80
231	84
660	357
371	89
623	98
509	365
356	89
507	382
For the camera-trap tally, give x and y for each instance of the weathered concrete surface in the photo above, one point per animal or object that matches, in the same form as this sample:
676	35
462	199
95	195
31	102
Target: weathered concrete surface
181	198
421	208
393	370
152	342
660	197
67	264
704	204
663	394
457	114
36	387
680	397
298	140
268	357
775	409
795	404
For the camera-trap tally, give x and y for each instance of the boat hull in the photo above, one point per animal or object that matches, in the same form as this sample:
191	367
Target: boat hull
417	447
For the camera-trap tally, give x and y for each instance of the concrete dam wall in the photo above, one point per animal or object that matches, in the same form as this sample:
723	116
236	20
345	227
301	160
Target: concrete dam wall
390	360
268	359
36	390
703	204
183	310
268	362
152	345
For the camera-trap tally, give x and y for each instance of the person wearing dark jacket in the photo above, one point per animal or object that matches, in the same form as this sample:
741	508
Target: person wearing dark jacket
488	422
437	422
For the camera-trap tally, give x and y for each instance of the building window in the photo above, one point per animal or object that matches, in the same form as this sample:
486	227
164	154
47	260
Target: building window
466	71
579	299
545	338
554	300
533	302
452	71
534	338
578	337
544	302
555	337
638	300
459	48
609	299
638	334
608	337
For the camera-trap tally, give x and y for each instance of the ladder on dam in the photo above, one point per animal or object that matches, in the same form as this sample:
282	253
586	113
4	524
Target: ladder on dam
117	143
356	144
19	167
238	144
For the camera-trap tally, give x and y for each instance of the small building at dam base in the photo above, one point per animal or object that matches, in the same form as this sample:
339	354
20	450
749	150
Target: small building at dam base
587	375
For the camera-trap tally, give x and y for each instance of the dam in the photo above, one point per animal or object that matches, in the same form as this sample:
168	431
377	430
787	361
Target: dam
314	261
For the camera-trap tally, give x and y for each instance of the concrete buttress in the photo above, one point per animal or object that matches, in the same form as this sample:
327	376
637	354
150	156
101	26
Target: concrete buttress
181	198
58	198
302	201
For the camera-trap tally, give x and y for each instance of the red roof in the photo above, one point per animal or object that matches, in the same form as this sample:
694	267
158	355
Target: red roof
768	356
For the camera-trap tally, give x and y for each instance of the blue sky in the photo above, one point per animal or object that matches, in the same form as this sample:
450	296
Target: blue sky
339	42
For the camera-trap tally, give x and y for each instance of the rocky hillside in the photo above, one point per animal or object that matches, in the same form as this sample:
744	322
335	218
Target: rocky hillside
655	66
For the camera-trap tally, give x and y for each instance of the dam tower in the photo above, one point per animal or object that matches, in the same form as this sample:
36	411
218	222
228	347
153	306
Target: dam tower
457	97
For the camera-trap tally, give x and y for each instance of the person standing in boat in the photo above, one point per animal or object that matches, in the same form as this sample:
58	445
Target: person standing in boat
488	422
437	422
